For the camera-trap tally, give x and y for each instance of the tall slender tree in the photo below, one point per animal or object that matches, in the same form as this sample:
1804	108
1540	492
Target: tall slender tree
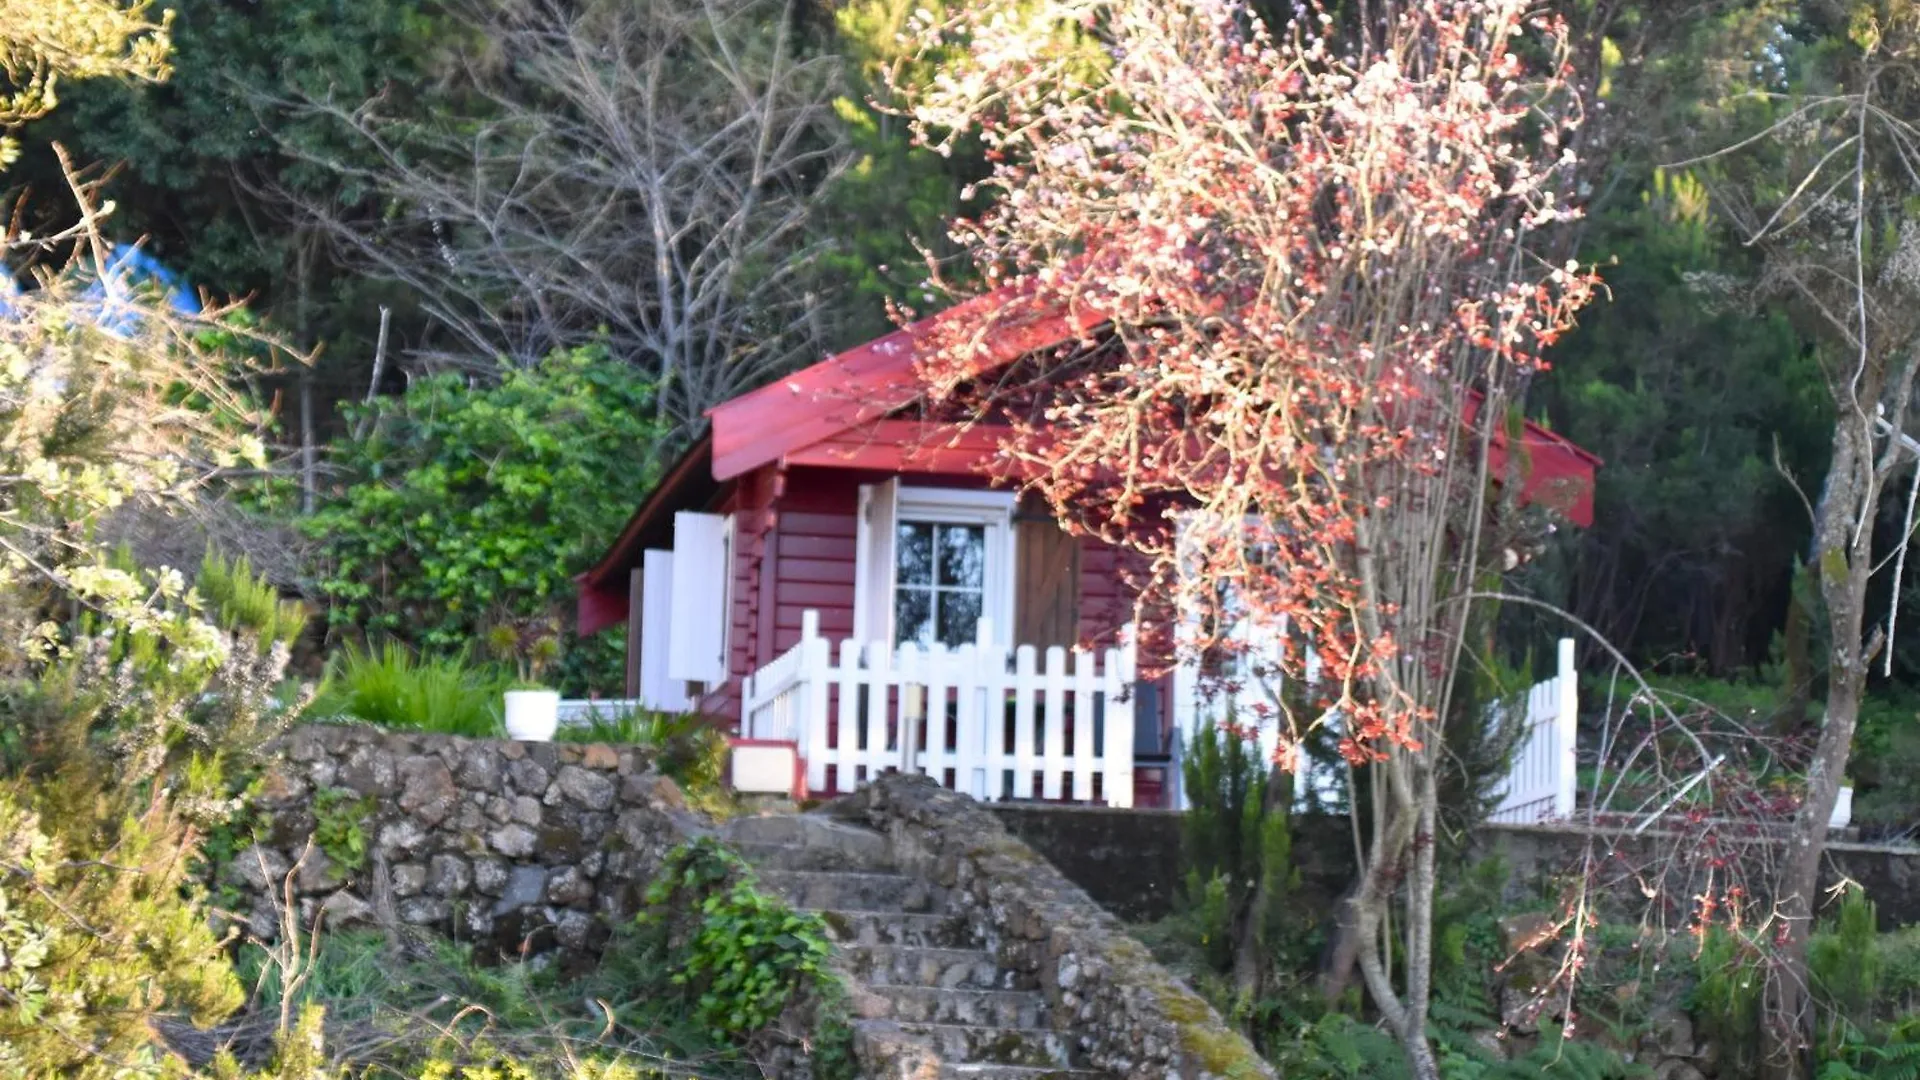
1826	187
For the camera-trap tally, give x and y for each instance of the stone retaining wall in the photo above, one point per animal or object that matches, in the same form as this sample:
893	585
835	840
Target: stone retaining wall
1133	1018
524	845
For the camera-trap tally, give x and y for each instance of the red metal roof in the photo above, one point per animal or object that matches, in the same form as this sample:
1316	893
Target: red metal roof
835	413
803	415
869	381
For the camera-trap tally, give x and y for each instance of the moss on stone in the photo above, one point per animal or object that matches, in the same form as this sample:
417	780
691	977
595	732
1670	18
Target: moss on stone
1219	1050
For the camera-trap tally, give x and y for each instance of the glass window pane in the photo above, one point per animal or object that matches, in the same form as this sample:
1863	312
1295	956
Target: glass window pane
912	616
913	553
959	617
963	556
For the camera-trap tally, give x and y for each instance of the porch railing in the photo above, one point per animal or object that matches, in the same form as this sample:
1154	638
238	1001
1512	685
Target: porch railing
994	720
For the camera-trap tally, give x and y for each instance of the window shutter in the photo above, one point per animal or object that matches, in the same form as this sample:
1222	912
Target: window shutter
873	556
697	636
657	689
1046	586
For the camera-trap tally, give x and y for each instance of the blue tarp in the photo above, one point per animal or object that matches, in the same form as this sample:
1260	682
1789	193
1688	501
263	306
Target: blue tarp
109	297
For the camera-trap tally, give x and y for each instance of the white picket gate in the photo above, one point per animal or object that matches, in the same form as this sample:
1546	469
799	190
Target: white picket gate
988	719
1540	784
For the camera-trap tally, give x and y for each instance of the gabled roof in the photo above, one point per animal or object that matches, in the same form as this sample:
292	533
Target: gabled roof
814	415
869	381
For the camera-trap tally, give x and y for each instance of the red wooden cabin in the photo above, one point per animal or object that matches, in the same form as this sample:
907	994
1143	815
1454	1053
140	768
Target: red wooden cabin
811	494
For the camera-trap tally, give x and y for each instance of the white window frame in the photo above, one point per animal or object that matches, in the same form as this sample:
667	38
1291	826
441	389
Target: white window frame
990	509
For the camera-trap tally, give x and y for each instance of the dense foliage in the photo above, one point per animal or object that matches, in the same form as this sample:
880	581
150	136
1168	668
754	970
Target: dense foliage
457	505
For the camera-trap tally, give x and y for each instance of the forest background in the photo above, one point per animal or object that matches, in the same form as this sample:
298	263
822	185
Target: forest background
474	235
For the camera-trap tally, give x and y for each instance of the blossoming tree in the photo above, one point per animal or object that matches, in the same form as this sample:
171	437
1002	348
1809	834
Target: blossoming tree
1309	262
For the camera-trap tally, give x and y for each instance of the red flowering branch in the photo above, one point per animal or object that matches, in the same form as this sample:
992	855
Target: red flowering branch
1310	262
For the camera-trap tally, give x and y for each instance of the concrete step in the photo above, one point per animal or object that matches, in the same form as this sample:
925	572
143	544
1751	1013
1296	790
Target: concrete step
988	1008
848	890
970	1044
979	1071
898	965
898	928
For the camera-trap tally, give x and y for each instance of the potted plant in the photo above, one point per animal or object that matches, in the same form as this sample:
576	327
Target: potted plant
532	709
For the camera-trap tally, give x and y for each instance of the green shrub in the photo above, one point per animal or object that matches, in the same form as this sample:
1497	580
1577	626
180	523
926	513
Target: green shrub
1725	1000
689	747
464	503
737	955
100	934
393	688
1843	960
241	601
1237	843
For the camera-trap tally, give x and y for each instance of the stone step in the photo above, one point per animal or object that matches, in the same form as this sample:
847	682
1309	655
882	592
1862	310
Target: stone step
897	928
897	965
848	890
833	842
988	1008
971	1044
980	1071
795	857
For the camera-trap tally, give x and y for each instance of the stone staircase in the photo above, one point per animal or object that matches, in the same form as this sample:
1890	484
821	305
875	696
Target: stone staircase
921	989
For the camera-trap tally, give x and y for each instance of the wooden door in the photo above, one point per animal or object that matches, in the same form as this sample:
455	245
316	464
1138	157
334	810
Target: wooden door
1046	581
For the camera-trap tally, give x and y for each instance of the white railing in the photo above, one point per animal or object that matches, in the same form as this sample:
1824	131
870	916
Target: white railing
989	719
582	711
1540	784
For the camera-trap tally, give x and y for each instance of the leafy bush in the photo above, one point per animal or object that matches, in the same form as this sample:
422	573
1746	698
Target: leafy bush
1891	1054
737	955
339	826
710	947
393	688
463	503
689	747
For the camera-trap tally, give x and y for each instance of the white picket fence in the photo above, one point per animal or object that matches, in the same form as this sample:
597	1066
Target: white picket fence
992	720
1540	785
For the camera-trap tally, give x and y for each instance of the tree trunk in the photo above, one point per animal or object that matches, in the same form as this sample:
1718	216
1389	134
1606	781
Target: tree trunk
1843	562
1789	1013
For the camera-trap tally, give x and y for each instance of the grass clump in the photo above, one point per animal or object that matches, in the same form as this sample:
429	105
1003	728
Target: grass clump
687	747
392	687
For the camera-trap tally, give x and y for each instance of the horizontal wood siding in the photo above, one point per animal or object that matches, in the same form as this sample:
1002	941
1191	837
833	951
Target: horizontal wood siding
1105	603
816	556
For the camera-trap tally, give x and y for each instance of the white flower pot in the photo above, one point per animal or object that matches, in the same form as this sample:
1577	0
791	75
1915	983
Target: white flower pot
533	715
1842	809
